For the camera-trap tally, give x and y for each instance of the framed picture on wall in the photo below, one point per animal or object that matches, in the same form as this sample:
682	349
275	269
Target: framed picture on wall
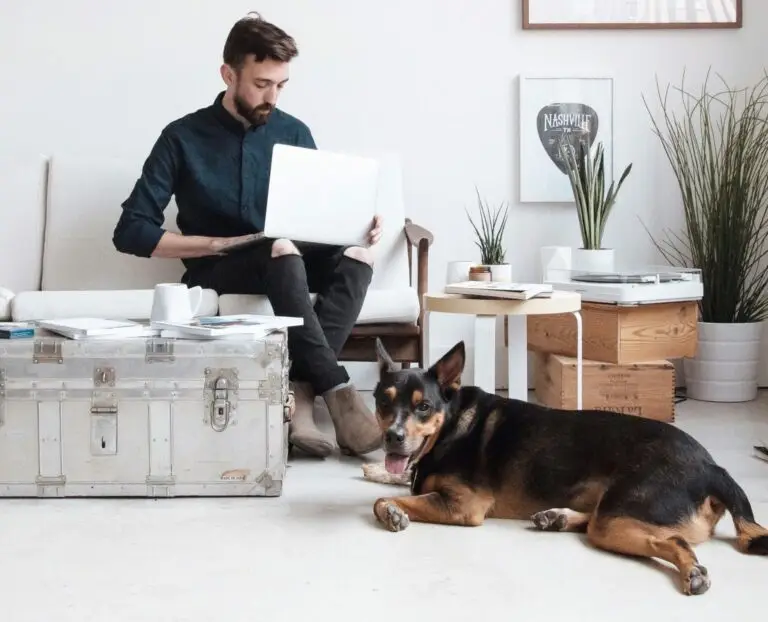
555	109
617	14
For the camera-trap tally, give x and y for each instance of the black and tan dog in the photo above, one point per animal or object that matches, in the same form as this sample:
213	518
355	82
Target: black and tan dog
636	486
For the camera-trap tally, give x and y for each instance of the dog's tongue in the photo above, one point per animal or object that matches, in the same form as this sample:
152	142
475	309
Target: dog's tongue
395	464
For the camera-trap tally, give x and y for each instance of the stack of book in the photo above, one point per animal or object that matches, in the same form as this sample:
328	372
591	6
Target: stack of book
95	328
16	330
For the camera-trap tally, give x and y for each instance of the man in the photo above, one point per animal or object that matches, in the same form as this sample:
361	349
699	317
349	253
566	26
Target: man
216	162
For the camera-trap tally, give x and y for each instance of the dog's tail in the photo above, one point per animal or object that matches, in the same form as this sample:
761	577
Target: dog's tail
752	537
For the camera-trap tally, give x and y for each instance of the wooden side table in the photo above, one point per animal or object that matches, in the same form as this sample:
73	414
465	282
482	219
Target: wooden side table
486	310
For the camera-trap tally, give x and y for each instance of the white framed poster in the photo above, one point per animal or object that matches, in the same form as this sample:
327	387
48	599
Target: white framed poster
628	14
573	109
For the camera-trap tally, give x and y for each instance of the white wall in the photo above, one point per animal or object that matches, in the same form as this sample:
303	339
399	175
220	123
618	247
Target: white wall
434	80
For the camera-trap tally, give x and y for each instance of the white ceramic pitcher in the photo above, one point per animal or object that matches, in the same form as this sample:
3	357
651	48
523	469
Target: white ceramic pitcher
175	302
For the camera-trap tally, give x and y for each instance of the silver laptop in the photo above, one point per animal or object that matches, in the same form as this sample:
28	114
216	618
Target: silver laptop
321	196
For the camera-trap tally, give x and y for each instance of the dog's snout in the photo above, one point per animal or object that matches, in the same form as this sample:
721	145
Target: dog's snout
395	435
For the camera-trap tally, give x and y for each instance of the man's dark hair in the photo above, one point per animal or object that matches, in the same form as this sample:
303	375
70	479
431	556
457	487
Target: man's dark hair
253	35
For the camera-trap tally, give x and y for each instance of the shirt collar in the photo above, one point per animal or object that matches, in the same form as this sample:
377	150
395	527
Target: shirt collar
223	115
226	118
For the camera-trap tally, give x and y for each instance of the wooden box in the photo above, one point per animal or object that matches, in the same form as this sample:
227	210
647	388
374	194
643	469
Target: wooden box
619	334
644	389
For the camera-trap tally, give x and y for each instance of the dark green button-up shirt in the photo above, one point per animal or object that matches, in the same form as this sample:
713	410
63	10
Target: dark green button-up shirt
218	171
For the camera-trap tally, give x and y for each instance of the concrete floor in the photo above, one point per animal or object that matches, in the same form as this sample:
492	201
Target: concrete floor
316	551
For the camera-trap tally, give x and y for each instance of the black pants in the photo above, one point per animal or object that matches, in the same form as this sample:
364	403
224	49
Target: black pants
339	281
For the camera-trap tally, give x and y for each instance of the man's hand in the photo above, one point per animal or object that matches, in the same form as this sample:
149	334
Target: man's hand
374	235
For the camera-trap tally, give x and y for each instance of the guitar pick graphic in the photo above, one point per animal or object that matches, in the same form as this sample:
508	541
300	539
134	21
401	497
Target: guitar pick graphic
571	122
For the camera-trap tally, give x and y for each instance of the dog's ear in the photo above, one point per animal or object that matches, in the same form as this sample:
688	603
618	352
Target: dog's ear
449	368
386	365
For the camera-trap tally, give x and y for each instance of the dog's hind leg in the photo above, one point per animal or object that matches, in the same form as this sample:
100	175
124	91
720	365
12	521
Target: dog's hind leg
630	536
450	504
560	519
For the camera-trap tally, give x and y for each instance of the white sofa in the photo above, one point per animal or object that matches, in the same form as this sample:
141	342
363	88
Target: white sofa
57	257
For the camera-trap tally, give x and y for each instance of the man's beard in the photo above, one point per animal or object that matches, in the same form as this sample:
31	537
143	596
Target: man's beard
254	116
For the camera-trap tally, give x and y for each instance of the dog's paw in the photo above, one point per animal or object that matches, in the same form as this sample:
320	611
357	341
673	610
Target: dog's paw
550	520
697	582
390	515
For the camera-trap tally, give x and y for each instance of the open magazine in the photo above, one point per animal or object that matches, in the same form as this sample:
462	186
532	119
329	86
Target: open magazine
216	326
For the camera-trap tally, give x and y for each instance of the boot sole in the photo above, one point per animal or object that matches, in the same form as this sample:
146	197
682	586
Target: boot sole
318	450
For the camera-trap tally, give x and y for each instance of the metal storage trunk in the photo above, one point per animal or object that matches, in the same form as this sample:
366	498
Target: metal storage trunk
143	417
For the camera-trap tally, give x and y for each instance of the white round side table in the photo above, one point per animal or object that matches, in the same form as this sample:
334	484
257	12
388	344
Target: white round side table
486	310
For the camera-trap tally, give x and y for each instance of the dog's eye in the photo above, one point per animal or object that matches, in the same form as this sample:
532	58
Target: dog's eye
383	399
422	407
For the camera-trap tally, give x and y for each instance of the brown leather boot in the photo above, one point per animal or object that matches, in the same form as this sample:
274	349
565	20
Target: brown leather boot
303	433
357	431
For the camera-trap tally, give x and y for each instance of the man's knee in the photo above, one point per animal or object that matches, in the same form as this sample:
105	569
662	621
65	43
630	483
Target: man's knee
283	247
360	254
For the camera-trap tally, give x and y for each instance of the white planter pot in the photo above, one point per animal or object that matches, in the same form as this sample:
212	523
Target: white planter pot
593	260
725	368
501	272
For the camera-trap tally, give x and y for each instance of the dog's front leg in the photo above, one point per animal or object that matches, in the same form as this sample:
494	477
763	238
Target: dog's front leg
377	472
396	513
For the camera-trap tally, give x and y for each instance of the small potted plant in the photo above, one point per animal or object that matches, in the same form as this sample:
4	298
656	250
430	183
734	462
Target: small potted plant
586	173
490	240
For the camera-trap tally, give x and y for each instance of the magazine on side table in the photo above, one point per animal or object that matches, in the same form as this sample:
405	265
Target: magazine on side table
500	289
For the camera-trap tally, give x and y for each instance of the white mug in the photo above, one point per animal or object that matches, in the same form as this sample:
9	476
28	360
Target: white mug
458	272
175	302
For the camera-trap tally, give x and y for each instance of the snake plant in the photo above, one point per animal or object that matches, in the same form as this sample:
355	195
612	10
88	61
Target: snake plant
586	173
490	235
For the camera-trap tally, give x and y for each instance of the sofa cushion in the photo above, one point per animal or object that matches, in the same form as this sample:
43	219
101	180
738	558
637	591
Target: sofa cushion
391	270
84	198
380	305
111	305
22	199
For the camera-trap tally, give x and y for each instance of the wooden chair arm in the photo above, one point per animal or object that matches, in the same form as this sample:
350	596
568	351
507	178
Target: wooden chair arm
422	239
416	233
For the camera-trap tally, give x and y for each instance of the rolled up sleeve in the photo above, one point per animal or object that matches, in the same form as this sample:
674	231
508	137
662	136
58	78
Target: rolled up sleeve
140	225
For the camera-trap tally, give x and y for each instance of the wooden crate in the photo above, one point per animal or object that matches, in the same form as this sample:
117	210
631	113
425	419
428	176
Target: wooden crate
644	389
615	334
